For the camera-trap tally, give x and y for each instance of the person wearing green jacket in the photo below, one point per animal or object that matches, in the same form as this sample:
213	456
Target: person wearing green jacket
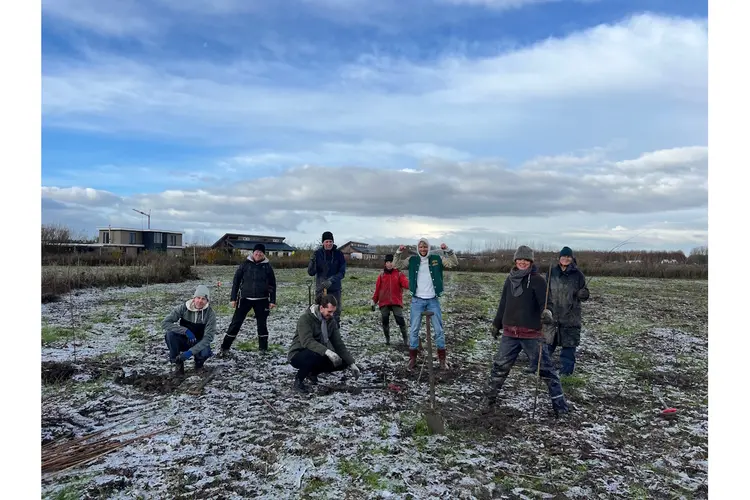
426	286
317	346
189	330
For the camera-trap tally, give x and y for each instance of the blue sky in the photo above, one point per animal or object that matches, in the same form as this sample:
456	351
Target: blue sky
474	122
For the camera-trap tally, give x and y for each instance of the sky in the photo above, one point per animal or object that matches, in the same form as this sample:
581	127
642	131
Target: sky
477	123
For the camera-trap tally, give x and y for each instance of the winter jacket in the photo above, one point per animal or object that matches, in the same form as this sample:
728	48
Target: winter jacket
309	335
521	316
202	322
437	262
388	288
254	280
328	265
563	288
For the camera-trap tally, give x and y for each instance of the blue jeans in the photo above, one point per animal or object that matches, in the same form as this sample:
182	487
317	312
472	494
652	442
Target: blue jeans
418	306
510	348
179	343
568	339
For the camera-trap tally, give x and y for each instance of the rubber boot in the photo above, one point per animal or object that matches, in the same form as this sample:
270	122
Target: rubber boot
412	359
262	343
441	358
387	333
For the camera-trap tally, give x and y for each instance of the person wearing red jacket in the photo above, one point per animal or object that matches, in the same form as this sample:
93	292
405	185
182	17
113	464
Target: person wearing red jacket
389	296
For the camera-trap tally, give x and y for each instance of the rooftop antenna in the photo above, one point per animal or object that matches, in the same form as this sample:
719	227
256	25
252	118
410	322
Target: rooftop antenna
146	214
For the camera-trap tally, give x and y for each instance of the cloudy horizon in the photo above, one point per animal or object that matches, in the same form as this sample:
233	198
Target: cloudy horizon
466	121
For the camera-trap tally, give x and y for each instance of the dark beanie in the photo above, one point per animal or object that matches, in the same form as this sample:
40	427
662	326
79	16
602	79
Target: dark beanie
566	252
327	236
259	246
524	253
389	257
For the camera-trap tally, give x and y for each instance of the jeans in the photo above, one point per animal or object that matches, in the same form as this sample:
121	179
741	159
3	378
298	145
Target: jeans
418	306
177	344
510	348
568	339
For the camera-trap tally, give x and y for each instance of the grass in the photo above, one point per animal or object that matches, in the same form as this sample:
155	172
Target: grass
138	334
102	318
52	334
360	471
572	382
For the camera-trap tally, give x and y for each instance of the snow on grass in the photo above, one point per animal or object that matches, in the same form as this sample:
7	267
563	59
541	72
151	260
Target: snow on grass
247	434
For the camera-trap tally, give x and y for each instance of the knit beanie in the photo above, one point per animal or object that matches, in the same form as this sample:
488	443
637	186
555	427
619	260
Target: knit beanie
202	291
525	253
566	252
327	236
389	257
259	246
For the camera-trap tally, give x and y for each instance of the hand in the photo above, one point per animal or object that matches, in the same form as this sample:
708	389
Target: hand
355	371
547	317
443	246
374	305
327	284
495	331
401	248
335	358
583	294
233	303
191	337
271	305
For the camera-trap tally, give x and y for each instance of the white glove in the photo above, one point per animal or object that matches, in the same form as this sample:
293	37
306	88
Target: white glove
354	370
335	358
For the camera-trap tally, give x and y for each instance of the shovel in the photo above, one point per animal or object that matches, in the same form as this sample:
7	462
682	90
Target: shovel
433	418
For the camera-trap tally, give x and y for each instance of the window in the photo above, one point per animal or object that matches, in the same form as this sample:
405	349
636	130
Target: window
158	237
132	238
172	240
105	237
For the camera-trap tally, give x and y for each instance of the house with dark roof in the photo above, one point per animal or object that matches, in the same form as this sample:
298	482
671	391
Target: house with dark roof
244	243
358	250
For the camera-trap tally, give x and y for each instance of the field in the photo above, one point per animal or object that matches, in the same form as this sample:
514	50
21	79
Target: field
248	435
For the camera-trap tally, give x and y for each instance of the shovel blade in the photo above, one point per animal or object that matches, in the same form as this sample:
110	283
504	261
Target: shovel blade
435	422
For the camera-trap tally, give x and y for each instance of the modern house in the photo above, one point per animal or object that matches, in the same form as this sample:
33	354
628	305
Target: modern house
134	241
244	243
357	250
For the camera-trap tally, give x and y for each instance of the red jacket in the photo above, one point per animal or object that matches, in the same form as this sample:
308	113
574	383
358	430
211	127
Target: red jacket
389	288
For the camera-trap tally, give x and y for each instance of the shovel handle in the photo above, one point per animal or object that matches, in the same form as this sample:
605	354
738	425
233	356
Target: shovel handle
428	315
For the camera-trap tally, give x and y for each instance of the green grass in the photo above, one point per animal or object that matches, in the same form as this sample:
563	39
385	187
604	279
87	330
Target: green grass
51	334
103	318
626	328
360	471
138	334
312	486
635	360
572	382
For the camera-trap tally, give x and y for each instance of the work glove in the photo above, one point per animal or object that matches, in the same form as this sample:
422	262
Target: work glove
191	337
583	294
495	331
184	356
335	358
547	317
326	284
355	371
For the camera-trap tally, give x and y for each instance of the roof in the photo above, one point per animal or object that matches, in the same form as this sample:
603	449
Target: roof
273	247
358	247
255	238
138	230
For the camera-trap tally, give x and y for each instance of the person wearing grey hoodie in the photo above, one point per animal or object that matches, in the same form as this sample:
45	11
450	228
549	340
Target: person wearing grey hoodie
253	287
189	330
317	346
425	272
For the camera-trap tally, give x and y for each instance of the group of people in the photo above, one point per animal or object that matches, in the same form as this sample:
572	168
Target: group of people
535	314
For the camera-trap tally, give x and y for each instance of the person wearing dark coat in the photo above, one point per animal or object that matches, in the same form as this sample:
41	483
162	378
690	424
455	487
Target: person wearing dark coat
328	265
253	287
567	289
520	315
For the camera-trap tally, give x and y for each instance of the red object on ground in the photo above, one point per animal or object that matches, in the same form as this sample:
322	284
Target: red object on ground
394	387
669	412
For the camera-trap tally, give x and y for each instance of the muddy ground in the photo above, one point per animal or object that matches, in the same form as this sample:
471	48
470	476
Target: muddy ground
246	434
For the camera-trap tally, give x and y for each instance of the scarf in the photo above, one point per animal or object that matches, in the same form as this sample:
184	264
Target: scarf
516	277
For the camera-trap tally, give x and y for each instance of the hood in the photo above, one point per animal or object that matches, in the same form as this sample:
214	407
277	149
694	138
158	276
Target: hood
192	308
264	261
429	250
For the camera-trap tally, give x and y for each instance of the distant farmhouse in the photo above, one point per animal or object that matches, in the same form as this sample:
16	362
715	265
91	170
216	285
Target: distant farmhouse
244	243
134	241
358	250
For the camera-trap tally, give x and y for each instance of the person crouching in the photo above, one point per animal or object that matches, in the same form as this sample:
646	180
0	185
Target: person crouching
189	330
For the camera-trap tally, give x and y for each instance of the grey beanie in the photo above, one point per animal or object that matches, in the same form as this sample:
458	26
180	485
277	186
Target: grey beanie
525	253
202	291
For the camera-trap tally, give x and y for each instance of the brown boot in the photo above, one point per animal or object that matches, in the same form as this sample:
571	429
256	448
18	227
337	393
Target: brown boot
441	358
412	359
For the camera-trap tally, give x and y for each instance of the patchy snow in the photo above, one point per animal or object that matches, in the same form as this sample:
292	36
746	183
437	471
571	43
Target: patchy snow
247	434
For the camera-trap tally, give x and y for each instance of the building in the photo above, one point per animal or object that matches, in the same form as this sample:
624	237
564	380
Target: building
134	241
357	250
244	243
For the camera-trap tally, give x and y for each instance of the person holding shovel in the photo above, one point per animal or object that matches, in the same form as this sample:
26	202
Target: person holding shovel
253	287
189	330
426	286
328	265
317	346
389	297
567	288
524	306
